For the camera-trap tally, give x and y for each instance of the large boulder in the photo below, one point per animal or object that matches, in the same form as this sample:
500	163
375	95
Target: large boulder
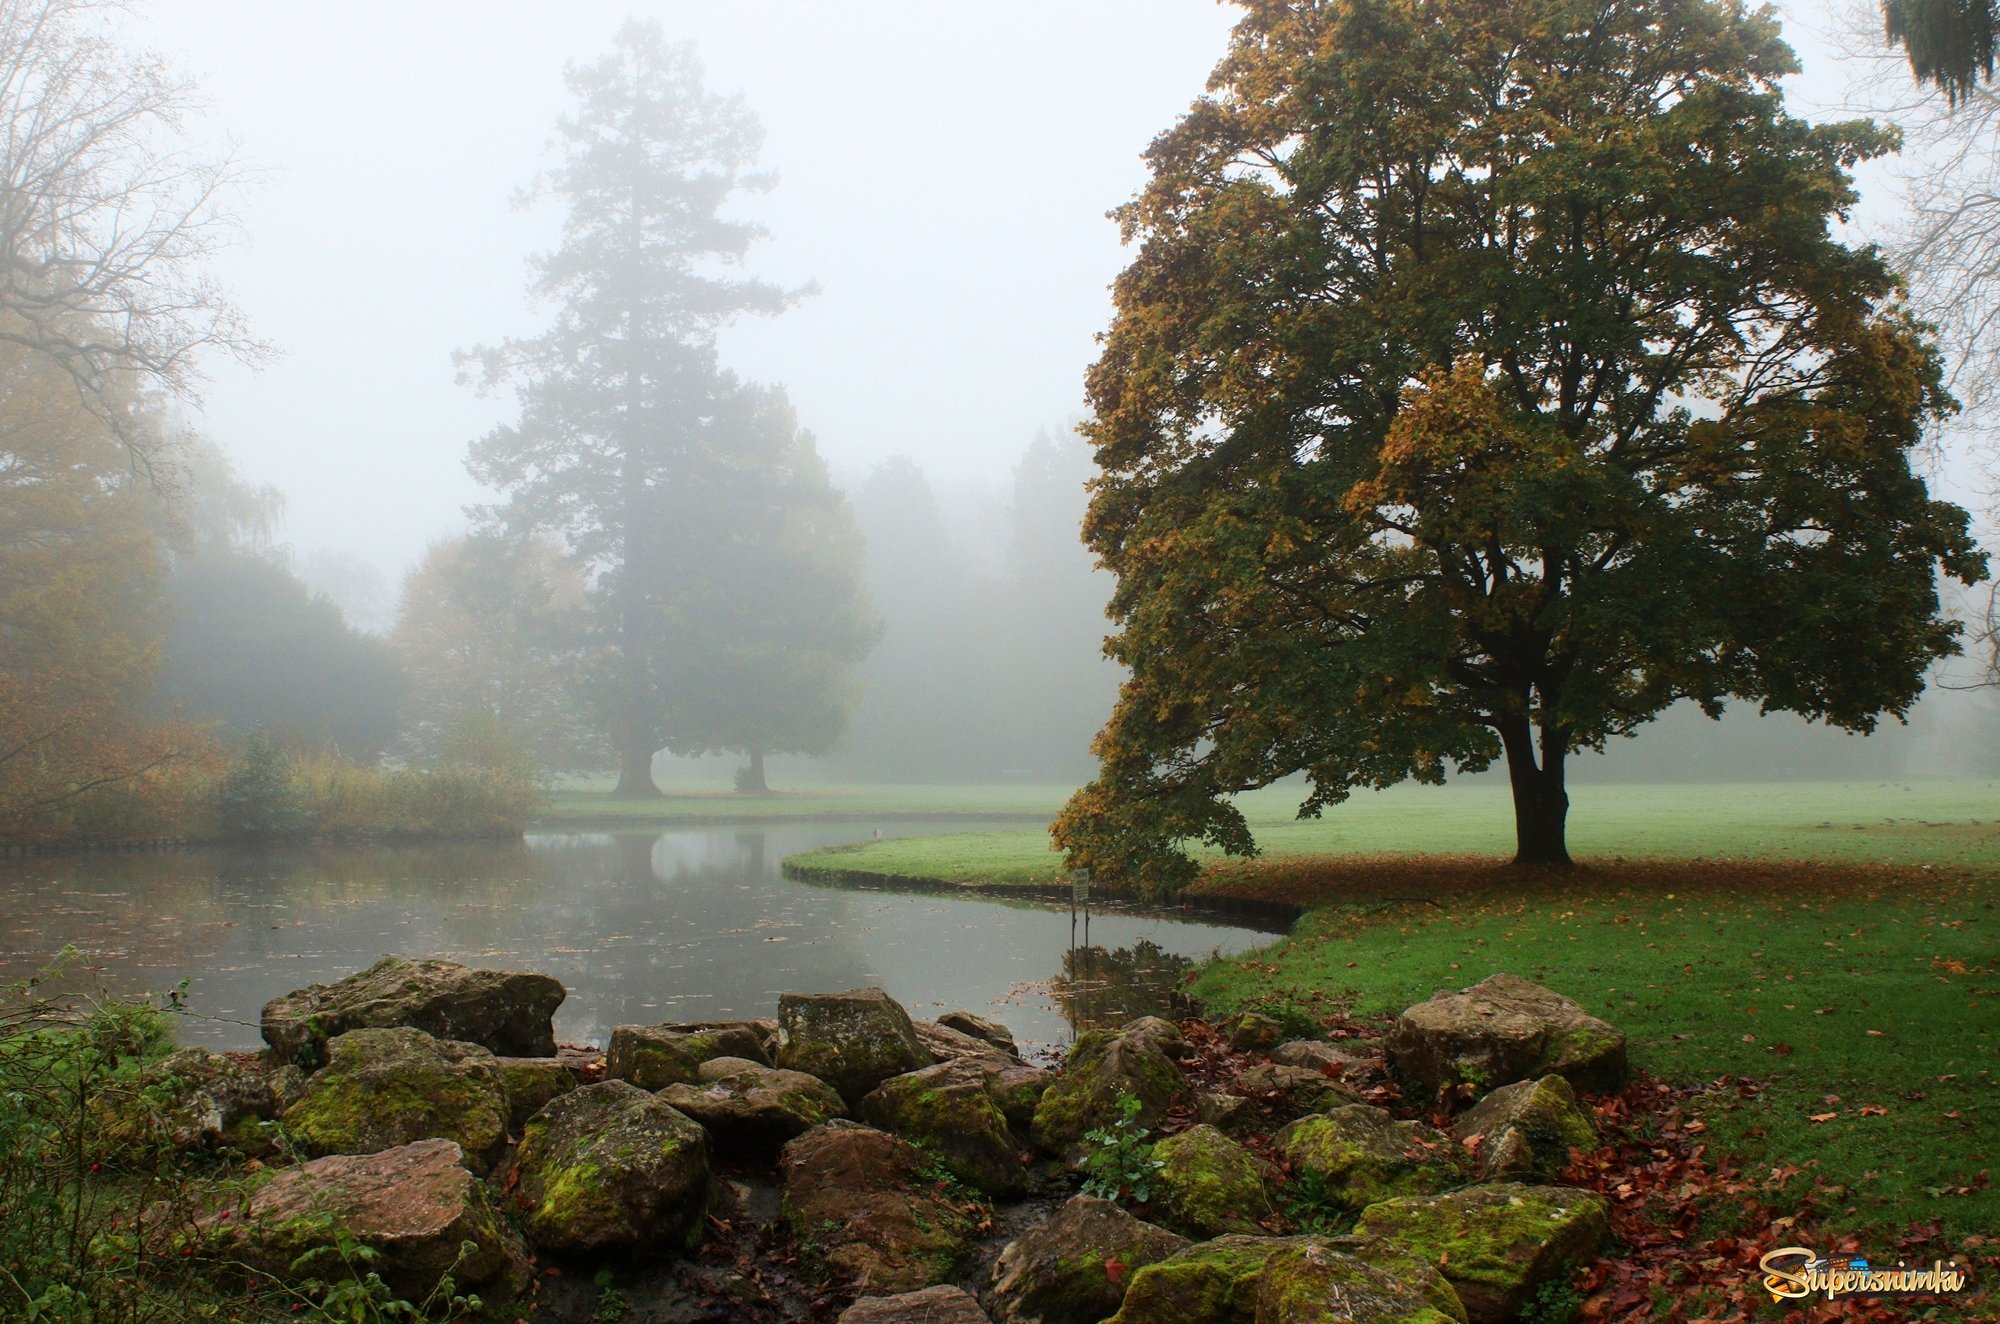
530	1082
1458	1046
651	1057
1496	1245
190	1099
933	1305
1320	1280
1073	1269
1359	1155
1323	1057
506	1012
1283	1093
947	1110
656	1056
990	1032
1525	1131
384	1088
753	1108
853	1041
1102	1070
1289	1280
414	1210
861	1201
1208	1185
612	1170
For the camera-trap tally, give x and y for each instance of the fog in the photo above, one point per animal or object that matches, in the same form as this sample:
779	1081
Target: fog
943	174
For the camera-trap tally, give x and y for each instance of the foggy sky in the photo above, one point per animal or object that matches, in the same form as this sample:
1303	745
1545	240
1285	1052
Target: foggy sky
944	170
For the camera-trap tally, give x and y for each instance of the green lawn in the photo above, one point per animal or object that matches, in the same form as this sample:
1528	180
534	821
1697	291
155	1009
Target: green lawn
1830	1000
1921	822
573	806
1835	945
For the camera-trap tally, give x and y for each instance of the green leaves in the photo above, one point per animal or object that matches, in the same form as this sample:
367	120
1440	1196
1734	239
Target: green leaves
1489	377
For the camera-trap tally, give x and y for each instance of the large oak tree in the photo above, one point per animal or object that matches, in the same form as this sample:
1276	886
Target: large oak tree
1487	379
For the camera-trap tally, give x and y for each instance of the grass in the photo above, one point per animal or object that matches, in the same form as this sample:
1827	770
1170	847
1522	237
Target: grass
1811	949
685	805
1940	823
1832	989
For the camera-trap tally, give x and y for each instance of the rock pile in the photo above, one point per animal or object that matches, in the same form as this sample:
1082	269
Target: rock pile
440	1130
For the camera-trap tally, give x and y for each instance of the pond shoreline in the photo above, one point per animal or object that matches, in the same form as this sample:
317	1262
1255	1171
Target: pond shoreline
1274	917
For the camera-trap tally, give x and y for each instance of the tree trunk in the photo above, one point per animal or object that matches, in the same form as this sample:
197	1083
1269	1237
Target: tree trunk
635	776
751	781
1541	804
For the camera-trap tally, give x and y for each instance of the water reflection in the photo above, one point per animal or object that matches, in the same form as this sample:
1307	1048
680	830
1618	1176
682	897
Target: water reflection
1102	988
690	924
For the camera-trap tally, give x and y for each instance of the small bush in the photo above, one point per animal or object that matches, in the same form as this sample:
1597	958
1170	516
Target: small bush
258	799
1120	1165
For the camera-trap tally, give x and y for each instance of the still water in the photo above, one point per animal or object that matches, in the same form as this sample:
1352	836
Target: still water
690	924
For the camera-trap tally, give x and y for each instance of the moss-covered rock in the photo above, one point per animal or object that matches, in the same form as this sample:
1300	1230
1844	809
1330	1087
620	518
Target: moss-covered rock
1231	1114
1363	1155
1284	1093
190	1099
1208	1185
853	1041
933	1305
1290	1280
1526	1131
1214	1282
1162	1033
753	1109
1352	1279
863	1203
707	1040
1254	1032
505	1012
1073	1269
530	1082
947	1111
1333	1062
413	1211
1498	1244
1017	1091
1459	1046
384	1088
1102	1070
651	1057
610	1169
992	1033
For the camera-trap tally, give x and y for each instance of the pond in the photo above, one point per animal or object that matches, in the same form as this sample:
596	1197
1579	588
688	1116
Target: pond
689	924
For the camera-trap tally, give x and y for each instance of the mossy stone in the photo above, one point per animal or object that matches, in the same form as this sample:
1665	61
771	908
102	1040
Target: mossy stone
1364	1155
1102	1070
612	1169
1527	1130
1208	1185
389	1087
1496	1244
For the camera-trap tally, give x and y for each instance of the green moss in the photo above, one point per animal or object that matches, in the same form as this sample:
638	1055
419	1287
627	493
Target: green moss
1209	1184
1213	1283
1362	1157
1496	1244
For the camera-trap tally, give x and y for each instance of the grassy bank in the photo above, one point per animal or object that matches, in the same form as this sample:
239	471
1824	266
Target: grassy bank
1826	956
594	807
1847	1015
1922	822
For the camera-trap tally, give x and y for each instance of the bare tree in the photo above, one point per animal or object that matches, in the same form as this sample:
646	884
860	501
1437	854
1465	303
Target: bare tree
108	220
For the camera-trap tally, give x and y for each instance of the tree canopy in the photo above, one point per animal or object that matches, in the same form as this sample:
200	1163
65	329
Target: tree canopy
1488	378
630	434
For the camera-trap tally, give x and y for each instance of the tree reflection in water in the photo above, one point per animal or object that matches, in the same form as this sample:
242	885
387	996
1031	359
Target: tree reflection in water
1102	988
